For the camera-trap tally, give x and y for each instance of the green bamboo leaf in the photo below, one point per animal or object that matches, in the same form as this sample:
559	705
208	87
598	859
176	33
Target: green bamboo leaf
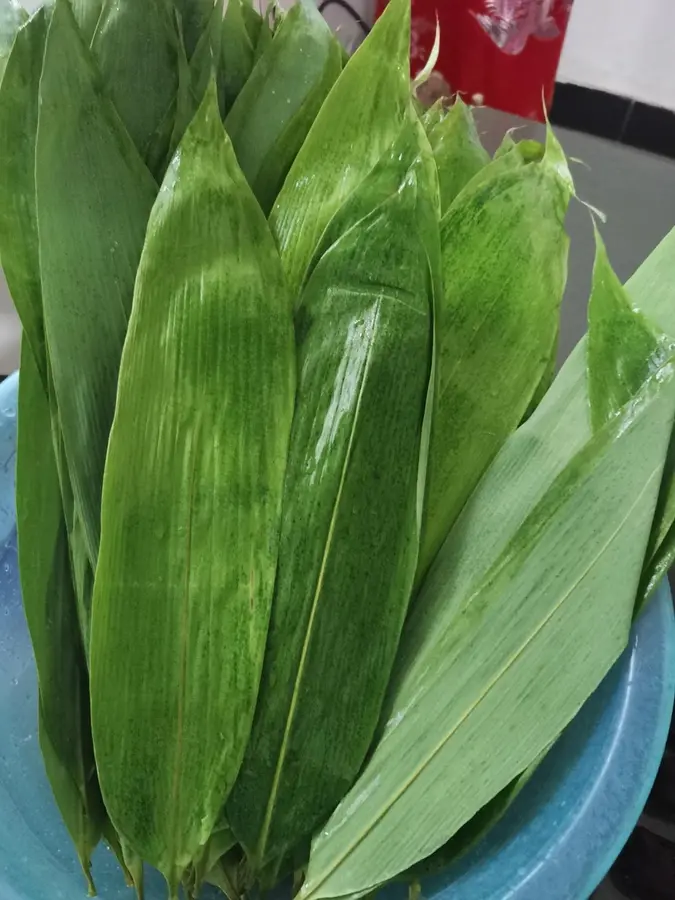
49	604
359	120
547	377
614	375
252	20
349	529
504	251
508	616
278	104
194	15
87	13
241	26
194	74
191	505
93	200
264	39
457	149
18	224
12	17
135	46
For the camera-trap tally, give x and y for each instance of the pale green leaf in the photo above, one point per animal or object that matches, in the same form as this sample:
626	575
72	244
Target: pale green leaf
278	104
51	614
359	120
457	149
252	20
527	606
522	650
87	14
135	45
191	505
349	528
93	200
504	258
263	40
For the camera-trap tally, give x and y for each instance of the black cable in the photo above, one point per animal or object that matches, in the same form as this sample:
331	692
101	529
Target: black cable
349	9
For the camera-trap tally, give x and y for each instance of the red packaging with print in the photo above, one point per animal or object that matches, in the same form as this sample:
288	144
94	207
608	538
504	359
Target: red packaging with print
498	53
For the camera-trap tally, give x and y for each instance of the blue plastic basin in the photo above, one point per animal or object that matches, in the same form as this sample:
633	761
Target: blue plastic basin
556	843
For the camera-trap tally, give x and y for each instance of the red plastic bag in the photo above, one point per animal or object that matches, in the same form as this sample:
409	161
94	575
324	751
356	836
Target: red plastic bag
498	53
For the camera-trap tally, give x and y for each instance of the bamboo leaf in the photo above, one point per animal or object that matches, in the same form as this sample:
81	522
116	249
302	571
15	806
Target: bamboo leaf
93	200
457	149
18	224
504	257
507	617
194	15
135	46
12	17
191	505
87	13
349	528
49	604
241	26
623	347
252	20
359	120
278	104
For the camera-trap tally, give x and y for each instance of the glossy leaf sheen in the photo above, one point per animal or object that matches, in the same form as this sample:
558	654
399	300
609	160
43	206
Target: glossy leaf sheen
522	615
195	15
504	258
359	120
135	45
93	200
278	104
349	530
191	505
49	604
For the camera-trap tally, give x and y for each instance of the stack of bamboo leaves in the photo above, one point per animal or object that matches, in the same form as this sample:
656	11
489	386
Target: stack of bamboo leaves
307	528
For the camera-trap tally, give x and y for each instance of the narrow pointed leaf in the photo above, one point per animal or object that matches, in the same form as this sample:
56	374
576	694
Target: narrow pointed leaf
87	13
18	223
195	15
504	256
135	45
359	120
264	39
278	104
457	149
237	51
50	608
12	16
615	374
252	21
505	646
191	505
349	535
93	200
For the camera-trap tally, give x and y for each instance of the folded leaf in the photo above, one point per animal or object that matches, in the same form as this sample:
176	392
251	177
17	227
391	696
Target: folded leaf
12	17
504	257
241	27
191	505
518	621
18	224
457	149
349	535
135	45
49	604
278	104
359	120
93	200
